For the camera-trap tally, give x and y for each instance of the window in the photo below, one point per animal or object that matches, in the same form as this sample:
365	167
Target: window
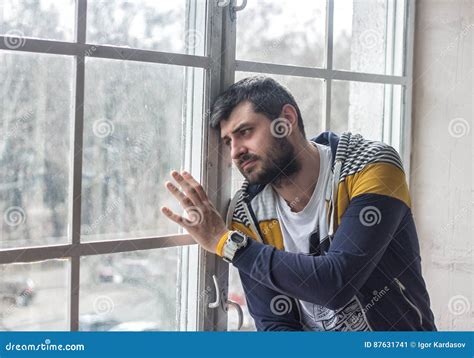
37	124
19	18
101	99
95	115
285	33
145	24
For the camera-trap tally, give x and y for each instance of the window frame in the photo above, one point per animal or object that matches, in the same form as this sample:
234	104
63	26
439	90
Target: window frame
208	265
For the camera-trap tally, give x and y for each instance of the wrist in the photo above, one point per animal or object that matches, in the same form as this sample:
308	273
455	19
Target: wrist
221	242
234	241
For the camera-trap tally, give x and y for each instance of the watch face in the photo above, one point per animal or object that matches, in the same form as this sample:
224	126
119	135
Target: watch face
237	238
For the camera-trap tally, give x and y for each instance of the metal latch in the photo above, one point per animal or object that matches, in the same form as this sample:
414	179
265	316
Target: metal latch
224	303
233	8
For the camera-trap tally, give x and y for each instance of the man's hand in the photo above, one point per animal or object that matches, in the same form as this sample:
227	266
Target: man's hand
204	224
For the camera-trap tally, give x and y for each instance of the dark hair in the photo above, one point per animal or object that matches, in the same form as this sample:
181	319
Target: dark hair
266	95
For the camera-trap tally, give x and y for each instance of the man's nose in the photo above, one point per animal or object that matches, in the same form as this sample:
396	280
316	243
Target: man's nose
237	151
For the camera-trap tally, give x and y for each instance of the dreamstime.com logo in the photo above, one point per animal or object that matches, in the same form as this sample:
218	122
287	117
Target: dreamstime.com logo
103	305
103	128
370	216
370	39
14	216
193	39
459	305
195	216
281	305
458	127
46	346
280	128
14	39
376	296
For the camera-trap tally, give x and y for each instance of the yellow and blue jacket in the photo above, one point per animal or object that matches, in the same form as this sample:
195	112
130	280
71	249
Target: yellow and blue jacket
369	267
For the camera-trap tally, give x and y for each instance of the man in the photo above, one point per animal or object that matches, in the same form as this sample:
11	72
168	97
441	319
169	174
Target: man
321	231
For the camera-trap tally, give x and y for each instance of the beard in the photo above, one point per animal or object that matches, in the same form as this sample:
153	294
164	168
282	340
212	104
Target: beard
279	164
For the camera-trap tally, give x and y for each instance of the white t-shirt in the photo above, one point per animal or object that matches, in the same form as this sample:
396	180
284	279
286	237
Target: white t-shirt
297	229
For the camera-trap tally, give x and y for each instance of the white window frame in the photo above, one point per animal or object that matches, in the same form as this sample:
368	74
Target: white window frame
211	173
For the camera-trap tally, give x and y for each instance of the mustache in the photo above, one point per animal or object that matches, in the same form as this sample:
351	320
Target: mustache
246	157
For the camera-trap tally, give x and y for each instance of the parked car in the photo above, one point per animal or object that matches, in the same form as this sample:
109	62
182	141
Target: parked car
18	292
134	271
108	273
92	322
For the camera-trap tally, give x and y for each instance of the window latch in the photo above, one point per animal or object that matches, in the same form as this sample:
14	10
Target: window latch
223	302
233	8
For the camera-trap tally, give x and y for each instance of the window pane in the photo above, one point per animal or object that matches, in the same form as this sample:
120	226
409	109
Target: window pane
309	95
133	137
133	291
172	26
46	19
284	32
368	36
366	108
34	296
35	166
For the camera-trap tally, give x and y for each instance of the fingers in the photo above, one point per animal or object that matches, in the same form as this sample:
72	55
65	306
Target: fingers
191	200
173	216
178	194
191	187
195	184
195	216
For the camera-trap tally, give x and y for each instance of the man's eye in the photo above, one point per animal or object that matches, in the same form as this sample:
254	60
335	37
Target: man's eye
245	131
227	142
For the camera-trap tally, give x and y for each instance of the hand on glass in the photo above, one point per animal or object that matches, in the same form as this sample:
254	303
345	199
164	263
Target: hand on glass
204	223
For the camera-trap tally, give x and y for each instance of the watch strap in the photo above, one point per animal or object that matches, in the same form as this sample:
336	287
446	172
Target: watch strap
221	243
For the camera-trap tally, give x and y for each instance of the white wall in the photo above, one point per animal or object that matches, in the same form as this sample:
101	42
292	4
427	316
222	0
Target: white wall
441	176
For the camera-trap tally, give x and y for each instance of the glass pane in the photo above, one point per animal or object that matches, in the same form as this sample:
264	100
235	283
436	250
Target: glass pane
309	95
283	32
34	296
172	26
368	36
35	164
134	135
365	108
46	19
133	291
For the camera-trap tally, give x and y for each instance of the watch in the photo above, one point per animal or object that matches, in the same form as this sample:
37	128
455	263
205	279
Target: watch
235	240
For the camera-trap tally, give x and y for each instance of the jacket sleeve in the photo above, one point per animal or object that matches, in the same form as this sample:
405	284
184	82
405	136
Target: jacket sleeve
271	310
366	229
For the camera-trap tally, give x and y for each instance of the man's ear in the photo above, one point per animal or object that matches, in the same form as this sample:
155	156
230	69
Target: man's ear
289	112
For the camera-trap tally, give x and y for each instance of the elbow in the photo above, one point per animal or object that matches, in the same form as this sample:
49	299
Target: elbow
340	284
338	290
341	292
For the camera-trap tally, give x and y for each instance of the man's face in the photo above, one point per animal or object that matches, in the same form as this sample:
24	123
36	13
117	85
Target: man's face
261	157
